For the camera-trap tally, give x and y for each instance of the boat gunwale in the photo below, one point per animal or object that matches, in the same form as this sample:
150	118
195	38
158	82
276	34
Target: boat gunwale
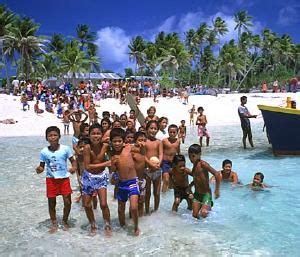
278	109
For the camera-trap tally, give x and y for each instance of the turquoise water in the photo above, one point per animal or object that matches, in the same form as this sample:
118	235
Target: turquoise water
242	223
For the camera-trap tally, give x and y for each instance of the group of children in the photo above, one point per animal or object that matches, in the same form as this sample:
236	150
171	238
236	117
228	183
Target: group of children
137	161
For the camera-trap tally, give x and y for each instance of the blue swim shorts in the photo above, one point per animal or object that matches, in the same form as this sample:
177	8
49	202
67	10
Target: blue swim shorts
166	166
128	188
93	182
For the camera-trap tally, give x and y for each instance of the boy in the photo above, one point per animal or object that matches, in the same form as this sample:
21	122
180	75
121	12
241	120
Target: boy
128	187
179	176
182	131
94	178
192	113
202	130
76	118
257	183
55	157
171	146
202	201
227	174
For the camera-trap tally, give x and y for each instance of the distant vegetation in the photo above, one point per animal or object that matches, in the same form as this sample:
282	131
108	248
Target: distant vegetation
198	58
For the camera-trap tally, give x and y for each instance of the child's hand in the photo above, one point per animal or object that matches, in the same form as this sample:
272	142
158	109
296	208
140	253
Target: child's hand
39	169
217	194
72	170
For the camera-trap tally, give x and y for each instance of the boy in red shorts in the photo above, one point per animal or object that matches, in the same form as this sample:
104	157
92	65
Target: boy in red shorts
57	177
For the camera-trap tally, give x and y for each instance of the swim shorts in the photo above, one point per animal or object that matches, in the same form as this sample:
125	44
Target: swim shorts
203	199
182	193
202	131
153	175
166	166
128	188
93	182
58	186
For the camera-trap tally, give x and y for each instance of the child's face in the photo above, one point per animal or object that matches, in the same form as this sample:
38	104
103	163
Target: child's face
129	138
227	168
95	136
194	158
85	132
132	115
53	137
172	132
151	112
152	130
78	116
81	147
180	166
123	120
117	125
105	125
141	140
163	124
183	123
117	143
257	180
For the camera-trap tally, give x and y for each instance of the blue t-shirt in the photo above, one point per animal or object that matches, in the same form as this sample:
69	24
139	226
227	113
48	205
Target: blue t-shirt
56	162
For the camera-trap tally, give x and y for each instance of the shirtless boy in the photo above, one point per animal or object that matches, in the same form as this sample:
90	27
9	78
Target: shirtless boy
227	174
171	147
179	176
258	182
202	201
94	178
122	162
182	131
76	118
202	130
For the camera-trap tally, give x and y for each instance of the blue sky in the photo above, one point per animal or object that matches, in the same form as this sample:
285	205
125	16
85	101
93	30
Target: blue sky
116	22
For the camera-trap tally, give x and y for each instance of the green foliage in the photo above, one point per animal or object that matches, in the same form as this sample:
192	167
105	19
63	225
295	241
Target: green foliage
166	82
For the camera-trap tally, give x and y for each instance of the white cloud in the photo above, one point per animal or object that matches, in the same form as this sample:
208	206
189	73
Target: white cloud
289	15
113	44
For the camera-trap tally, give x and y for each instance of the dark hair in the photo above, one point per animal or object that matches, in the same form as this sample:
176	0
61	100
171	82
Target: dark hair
162	118
200	109
261	176
105	113
226	162
106	120
132	111
194	149
173	126
83	126
117	132
96	125
139	134
243	97
151	122
178	158
52	128
182	121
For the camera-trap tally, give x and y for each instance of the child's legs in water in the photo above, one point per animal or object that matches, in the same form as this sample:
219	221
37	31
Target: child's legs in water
166	178
67	208
156	192
102	193
148	194
196	208
87	204
52	213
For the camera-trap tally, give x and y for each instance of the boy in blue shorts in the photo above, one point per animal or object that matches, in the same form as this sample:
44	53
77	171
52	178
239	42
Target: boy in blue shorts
55	157
122	161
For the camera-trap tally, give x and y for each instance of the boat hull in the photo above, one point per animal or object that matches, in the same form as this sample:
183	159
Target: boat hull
283	129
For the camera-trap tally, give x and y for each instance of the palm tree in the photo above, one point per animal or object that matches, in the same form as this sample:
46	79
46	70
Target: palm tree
84	35
243	22
151	59
57	43
137	47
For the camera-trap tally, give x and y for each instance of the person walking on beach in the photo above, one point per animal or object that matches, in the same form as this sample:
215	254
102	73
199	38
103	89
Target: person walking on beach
202	130
245	115
55	157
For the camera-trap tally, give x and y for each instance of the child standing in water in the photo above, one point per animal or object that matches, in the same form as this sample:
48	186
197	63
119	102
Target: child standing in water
202	130
192	114
122	162
154	150
55	157
94	178
182	131
202	201
179	176
171	147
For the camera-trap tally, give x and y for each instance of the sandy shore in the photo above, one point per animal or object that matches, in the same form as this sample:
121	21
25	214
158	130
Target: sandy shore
220	110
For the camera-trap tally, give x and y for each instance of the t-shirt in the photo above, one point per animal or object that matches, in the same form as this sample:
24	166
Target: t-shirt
243	110
56	162
161	135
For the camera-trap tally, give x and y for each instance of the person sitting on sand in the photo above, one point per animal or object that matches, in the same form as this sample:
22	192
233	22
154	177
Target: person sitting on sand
37	109
24	101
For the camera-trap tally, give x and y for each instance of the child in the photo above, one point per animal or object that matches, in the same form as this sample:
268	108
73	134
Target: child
227	174
129	137
257	183
24	102
66	122
128	187
162	133
179	176
202	201
151	114
76	118
171	147
153	148
37	109
94	178
182	131
201	122
192	114
57	178
105	124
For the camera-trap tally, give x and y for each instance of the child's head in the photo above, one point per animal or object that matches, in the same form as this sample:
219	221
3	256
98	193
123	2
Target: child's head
152	128
182	122
105	114
163	123
105	124
129	137
173	131
84	129
117	138
200	109
95	133
129	124
123	120
78	115
139	137
244	99
227	165
179	162
116	124
194	152
52	134
142	129
258	179
151	111
132	114
80	145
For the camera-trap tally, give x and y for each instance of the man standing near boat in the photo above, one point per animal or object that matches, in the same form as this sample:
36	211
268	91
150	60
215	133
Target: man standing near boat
245	122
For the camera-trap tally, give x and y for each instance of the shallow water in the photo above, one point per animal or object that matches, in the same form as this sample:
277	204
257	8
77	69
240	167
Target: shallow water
242	222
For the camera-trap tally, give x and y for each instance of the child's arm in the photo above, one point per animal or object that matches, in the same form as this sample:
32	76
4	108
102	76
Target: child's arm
39	169
216	174
160	152
235	178
73	169
178	148
86	117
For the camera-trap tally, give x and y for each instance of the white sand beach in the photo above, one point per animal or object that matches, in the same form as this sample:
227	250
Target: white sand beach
220	110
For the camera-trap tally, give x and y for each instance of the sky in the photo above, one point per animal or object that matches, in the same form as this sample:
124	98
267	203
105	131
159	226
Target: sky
116	22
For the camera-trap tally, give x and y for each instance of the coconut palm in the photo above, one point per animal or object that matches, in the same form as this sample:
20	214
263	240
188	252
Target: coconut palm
151	59
84	35
243	22
137	46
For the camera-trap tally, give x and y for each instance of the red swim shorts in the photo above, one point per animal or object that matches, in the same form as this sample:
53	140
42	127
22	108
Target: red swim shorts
58	186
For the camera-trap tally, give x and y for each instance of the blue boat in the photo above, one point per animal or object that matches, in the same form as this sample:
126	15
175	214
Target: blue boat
283	129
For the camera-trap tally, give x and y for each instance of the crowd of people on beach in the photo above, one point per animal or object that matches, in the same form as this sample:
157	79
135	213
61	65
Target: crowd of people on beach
140	157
